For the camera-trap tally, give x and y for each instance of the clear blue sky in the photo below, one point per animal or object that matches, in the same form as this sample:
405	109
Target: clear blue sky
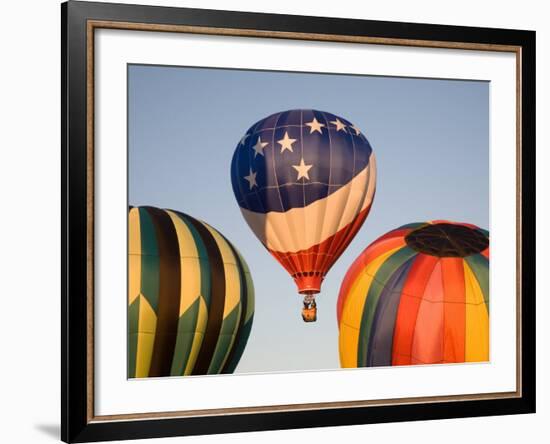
430	138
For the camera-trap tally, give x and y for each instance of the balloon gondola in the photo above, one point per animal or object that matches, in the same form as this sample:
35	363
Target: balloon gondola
305	182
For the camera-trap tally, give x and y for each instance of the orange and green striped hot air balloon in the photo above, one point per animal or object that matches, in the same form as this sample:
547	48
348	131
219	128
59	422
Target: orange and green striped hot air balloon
190	297
417	295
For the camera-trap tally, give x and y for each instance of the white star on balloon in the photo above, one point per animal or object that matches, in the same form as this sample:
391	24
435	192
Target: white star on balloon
251	178
357	131
286	143
302	169
339	125
258	148
314	125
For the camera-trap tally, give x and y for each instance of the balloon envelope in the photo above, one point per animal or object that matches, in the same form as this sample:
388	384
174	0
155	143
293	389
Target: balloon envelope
190	297
305	182
417	295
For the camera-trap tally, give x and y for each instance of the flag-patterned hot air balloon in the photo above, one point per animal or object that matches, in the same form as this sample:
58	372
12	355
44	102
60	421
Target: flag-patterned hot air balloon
190	297
417	295
305	182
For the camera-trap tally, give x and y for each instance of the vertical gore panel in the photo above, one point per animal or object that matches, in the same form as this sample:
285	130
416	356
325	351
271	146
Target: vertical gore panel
169	293
134	287
186	334
225	341
149	287
479	264
133	323
454	309
200	329
190	290
427	345
146	336
134	256
149	259
205	294
206	279
477	319
232	305
238	347
381	343
407	313
248	309
232	280
380	279
217	301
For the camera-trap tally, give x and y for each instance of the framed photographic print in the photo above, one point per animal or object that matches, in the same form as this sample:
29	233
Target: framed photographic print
275	221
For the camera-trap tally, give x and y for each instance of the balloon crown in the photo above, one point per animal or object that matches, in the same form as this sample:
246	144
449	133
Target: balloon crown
447	240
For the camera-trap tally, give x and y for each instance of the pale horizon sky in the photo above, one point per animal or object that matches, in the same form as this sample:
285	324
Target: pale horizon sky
430	138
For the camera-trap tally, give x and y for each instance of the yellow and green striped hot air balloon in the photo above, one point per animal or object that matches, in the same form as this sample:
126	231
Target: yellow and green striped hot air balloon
190	297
